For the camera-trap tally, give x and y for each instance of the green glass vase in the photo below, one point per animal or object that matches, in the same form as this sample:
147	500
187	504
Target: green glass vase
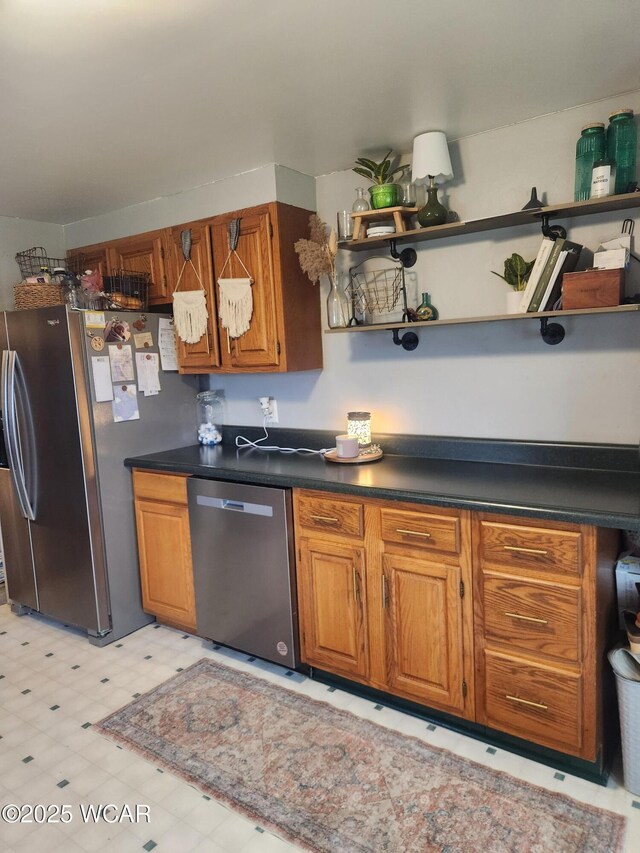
433	213
426	311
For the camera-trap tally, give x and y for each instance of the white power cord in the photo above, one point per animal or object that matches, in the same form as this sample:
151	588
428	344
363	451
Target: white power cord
241	441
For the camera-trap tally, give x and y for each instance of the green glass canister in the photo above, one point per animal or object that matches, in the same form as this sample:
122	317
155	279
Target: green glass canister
590	147
426	311
621	148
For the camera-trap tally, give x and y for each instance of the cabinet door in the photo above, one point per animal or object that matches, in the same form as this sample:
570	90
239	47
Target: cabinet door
166	573
424	630
331	594
204	354
259	346
143	253
90	258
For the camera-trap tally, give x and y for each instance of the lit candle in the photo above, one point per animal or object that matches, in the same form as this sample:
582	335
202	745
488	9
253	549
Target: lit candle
359	426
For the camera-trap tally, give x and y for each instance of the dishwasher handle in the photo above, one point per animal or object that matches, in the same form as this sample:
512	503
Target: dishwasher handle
235	506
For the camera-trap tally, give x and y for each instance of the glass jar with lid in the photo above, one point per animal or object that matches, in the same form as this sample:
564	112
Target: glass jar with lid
590	148
621	148
209	417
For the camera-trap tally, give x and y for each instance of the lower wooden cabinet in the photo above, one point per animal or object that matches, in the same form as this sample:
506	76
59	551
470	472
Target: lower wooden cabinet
382	596
500	620
164	547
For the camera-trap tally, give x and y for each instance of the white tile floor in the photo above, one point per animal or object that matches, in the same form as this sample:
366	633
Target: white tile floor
53	683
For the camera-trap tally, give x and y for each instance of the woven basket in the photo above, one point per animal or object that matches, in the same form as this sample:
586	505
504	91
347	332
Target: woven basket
37	296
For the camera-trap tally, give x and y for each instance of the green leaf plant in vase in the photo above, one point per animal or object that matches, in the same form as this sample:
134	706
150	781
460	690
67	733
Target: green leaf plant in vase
383	192
516	274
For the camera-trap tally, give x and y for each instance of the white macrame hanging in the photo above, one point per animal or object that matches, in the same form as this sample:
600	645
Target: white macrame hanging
235	302
190	313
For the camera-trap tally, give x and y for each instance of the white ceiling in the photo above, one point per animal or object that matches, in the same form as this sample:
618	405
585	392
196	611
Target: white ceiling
106	103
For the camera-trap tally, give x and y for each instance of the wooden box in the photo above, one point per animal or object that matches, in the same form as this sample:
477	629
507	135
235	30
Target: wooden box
592	289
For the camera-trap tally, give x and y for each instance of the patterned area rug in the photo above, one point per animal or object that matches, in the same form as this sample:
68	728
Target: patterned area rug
329	781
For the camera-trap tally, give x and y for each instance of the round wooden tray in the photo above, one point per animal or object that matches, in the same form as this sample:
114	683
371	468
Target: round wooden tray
354	460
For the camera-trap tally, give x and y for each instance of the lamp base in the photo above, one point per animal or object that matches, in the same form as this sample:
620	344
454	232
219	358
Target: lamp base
433	213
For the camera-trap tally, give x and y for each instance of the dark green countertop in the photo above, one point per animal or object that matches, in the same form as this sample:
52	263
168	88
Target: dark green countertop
608	497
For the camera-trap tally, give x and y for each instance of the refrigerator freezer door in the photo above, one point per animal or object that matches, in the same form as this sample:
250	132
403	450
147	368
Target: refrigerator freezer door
21	581
69	564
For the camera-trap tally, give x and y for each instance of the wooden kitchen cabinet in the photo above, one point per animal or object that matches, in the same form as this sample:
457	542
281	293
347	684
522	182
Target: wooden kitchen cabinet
333	606
164	547
204	355
381	596
89	258
544	595
285	331
144	253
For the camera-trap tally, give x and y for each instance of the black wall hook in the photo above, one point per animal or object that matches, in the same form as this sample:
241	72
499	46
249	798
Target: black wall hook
407	257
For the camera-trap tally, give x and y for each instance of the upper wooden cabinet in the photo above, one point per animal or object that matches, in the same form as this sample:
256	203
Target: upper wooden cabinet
285	331
204	355
89	258
144	253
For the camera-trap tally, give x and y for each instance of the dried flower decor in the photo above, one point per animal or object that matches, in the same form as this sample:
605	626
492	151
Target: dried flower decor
317	255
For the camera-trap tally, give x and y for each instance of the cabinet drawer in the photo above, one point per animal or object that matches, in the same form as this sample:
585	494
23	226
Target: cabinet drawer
535	617
160	487
534	702
330	515
538	548
421	530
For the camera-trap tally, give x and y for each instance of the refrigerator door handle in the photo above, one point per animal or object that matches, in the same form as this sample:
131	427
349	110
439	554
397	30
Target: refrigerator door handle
10	372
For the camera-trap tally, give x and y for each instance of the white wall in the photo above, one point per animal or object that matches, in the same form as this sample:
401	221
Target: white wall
492	380
244	190
16	235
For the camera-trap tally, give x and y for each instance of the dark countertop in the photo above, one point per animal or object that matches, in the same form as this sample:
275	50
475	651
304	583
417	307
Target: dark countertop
603	496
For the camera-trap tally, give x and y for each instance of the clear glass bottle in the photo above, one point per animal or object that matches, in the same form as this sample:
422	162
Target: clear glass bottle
621	147
209	417
590	147
360	204
337	305
407	189
426	311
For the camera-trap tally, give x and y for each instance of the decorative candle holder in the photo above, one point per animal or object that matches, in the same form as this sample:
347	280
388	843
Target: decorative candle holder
359	425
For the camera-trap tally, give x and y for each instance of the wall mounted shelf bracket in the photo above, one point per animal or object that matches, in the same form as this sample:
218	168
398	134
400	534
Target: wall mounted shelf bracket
551	333
408	341
407	257
552	231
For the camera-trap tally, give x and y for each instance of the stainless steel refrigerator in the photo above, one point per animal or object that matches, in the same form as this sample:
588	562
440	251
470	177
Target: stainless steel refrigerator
66	505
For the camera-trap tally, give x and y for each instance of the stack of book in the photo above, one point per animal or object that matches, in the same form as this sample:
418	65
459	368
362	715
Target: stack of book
544	286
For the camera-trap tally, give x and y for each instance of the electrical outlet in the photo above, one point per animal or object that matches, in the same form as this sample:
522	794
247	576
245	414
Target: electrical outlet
272	417
269	407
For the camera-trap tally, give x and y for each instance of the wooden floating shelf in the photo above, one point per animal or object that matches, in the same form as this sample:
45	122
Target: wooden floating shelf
504	220
534	315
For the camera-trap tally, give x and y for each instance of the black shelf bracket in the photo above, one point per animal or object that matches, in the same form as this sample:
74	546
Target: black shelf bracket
408	341
551	333
407	257
552	231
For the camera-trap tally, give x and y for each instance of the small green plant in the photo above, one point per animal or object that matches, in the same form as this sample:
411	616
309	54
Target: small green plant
377	173
516	271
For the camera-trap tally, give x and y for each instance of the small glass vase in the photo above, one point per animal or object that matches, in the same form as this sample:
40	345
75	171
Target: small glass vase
337	305
360	204
426	310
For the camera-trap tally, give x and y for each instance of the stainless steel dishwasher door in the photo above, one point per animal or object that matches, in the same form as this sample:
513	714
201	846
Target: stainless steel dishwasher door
243	567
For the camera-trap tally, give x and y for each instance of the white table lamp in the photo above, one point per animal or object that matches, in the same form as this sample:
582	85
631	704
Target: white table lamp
431	163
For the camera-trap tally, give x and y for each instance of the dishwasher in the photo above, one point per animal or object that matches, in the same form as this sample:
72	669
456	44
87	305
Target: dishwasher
243	567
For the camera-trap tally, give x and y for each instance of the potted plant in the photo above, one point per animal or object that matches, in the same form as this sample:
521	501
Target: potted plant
516	274
384	193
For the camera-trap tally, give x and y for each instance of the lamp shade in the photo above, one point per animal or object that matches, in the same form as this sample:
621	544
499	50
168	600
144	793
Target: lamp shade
431	157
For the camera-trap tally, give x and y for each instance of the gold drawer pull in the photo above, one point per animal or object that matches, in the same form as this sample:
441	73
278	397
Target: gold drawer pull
413	532
328	518
527	702
526	618
525	550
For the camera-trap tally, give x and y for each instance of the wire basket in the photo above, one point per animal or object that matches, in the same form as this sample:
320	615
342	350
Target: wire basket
376	292
32	261
127	290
